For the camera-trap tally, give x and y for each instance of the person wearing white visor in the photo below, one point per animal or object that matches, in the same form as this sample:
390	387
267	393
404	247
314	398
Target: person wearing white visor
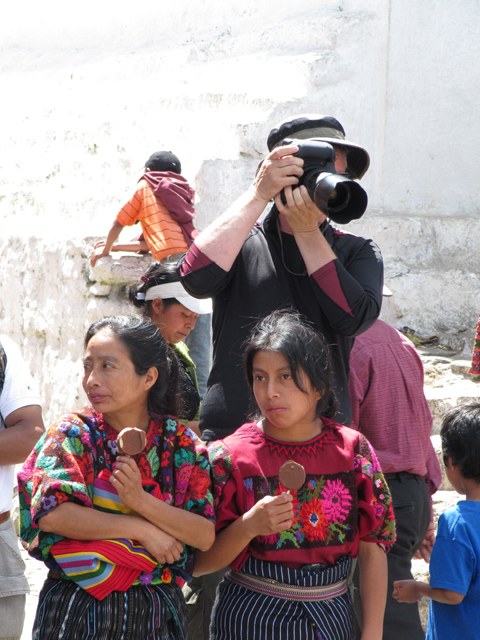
174	312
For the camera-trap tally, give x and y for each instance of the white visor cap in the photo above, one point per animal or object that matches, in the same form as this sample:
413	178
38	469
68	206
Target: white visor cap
175	290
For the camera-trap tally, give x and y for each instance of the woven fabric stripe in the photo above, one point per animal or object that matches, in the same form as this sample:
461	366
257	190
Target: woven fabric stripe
106	498
102	566
67	612
279	590
241	613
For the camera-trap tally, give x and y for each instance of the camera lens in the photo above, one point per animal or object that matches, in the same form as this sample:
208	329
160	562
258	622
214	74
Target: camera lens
339	198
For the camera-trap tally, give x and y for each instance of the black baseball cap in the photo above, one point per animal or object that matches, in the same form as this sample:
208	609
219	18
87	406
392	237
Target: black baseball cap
164	161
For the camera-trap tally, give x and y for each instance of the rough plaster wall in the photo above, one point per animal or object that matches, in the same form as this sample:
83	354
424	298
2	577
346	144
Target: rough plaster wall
97	88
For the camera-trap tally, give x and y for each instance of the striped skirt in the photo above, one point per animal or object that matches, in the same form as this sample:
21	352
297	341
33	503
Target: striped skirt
67	612
240	613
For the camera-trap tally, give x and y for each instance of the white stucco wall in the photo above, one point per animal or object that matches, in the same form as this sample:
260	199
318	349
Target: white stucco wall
89	92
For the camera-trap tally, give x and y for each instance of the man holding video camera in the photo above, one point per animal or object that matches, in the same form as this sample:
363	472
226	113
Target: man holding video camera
293	259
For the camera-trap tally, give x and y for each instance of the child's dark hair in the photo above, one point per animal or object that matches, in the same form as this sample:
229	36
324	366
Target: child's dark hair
460	434
157	273
147	348
286	332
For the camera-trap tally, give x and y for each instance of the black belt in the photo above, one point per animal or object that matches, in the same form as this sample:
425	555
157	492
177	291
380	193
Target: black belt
398	475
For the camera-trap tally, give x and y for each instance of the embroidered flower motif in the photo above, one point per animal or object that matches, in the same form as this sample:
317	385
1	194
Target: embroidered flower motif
248	482
312	484
200	484
336	501
113	446
185	441
208	511
61	497
165	459
167	575
49	502
378	483
182	477
146	578
73	432
312	520
171	424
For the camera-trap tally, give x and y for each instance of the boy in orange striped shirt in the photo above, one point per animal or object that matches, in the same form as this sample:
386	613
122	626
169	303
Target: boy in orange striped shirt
163	204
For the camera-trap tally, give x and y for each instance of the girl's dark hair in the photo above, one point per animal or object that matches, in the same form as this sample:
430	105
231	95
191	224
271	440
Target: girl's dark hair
157	273
286	332
146	348
460	434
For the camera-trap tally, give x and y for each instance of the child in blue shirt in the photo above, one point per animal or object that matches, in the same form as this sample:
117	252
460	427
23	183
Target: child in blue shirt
454	586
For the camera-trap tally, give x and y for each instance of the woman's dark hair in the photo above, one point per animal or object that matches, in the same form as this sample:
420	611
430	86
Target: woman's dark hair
157	273
460	434
146	348
286	332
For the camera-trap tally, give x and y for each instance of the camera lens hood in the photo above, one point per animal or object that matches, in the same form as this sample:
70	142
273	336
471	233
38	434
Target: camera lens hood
343	200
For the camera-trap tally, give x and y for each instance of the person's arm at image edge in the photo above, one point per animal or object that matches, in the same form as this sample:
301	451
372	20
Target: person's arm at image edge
24	428
373	588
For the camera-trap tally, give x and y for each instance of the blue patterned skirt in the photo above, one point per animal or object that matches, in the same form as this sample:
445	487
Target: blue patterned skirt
240	613
67	612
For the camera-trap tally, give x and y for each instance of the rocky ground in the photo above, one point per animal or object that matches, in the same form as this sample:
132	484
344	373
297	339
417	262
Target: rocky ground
447	383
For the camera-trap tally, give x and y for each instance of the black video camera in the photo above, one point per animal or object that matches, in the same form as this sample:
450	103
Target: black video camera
340	198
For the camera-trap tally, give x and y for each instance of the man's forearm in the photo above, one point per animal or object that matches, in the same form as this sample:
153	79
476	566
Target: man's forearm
223	239
315	250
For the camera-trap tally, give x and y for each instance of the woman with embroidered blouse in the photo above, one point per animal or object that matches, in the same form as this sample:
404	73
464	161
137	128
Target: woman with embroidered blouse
116	531
290	552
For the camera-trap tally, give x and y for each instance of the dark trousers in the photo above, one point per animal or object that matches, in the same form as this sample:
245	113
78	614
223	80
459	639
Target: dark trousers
200	595
412	516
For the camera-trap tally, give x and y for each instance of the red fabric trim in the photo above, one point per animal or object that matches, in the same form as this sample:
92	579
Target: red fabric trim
327	279
308	448
195	259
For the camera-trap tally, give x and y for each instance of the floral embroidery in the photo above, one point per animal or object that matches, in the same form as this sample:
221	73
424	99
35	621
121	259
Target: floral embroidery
66	460
313	521
49	503
336	501
166	576
326	507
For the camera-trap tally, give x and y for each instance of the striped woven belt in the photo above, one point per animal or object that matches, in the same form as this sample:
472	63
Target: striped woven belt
287	591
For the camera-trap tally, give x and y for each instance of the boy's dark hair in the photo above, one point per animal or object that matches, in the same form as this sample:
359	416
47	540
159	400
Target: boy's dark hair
286	332
157	273
146	348
460	434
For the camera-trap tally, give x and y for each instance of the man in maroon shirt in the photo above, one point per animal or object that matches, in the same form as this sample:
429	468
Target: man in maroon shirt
389	407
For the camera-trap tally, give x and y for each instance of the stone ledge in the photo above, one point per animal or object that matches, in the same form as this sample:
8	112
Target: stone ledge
122	270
